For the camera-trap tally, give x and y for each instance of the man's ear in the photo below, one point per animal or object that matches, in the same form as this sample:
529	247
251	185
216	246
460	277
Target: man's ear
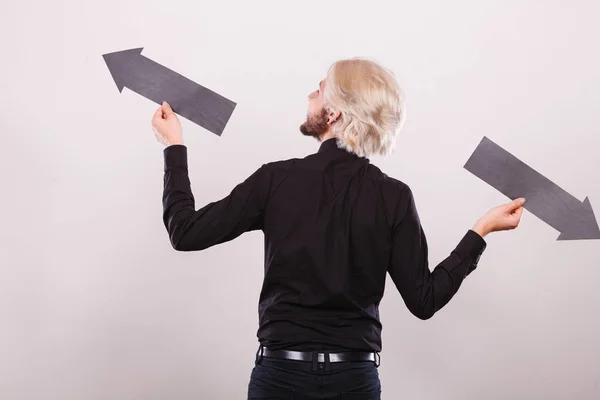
333	116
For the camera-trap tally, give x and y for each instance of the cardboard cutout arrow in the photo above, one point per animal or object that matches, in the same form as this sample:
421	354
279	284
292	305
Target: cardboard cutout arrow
157	83
547	201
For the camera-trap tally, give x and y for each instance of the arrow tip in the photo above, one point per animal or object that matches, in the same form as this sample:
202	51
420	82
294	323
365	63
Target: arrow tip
117	64
583	224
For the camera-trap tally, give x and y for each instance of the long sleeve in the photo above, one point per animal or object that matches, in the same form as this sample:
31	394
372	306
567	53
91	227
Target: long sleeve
425	292
217	222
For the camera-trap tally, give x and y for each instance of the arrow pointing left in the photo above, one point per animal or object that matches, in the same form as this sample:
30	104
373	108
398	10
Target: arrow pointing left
129	68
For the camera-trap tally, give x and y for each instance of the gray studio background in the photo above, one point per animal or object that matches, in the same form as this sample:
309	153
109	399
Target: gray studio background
94	302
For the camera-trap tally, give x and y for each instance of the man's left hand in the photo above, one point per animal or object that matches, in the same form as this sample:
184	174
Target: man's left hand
166	126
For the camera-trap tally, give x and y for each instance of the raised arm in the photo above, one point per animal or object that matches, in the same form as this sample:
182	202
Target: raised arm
217	222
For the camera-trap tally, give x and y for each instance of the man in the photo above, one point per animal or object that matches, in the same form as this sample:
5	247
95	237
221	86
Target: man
334	225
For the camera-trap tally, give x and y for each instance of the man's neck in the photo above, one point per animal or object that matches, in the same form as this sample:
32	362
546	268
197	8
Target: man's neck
326	136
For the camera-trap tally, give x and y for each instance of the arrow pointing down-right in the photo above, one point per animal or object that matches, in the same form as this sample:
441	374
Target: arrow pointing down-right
575	220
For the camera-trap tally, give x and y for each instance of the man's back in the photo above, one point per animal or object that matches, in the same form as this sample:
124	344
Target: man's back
328	237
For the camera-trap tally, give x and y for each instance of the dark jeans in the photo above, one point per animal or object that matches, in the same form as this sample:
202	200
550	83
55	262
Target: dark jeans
277	379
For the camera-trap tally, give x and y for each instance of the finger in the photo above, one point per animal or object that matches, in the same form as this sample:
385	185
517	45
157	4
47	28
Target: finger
519	212
516	217
157	115
167	108
516	203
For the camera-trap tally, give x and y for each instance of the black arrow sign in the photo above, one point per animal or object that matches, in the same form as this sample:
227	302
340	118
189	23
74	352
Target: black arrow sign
547	201
157	83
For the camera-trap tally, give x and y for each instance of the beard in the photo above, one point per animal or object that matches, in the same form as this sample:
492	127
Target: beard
315	124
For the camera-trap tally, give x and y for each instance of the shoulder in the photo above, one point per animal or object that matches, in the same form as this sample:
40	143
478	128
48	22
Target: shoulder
285	166
273	173
281	164
388	183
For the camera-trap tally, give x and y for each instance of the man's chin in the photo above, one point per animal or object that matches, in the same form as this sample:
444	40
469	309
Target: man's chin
305	131
315	135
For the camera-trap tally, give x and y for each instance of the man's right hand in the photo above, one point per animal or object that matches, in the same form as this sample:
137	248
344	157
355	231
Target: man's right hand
501	218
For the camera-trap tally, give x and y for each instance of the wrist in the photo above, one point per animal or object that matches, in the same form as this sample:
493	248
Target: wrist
481	229
175	141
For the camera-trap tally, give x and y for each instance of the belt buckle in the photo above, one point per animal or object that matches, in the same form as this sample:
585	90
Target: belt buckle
320	357
321	361
377	359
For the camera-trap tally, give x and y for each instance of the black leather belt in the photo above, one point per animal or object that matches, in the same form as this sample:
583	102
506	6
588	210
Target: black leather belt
333	357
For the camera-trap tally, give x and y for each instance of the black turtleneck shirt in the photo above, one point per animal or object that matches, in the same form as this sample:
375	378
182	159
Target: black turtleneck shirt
334	225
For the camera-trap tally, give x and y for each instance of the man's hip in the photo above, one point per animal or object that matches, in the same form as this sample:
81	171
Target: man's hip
314	375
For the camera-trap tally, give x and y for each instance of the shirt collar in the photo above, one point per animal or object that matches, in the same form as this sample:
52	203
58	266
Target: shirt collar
328	144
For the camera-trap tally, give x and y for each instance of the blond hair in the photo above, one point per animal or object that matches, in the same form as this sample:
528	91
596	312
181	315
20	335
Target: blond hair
371	105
